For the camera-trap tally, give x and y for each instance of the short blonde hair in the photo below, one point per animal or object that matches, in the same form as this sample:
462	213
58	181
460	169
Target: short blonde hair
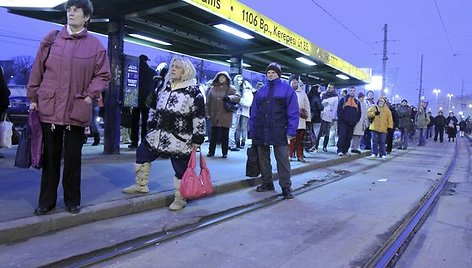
189	70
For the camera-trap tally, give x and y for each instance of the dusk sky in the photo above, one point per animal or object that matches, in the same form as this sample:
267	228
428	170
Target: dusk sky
351	30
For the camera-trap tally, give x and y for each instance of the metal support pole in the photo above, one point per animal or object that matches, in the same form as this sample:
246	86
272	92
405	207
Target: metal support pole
235	65
113	99
384	62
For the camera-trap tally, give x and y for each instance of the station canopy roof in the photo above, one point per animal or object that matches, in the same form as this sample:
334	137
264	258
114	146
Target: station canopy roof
188	26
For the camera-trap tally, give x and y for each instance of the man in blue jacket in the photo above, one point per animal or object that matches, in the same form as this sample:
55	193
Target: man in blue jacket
274	121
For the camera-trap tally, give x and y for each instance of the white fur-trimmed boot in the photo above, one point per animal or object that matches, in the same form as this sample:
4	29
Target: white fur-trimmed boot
179	202
142	179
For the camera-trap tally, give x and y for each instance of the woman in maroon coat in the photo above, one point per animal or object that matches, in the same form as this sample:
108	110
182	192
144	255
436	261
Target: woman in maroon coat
70	70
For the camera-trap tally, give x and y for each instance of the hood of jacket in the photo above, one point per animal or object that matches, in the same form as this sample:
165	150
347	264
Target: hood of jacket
215	79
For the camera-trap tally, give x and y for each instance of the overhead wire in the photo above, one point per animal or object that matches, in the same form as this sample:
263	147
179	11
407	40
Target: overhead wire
444	28
342	24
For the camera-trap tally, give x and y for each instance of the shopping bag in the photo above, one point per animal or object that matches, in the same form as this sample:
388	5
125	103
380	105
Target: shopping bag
23	152
252	162
36	146
194	186
5	132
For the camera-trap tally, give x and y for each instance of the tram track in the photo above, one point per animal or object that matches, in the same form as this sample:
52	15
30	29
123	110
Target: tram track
391	251
156	239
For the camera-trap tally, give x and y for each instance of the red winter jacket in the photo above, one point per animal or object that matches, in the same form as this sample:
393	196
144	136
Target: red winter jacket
77	67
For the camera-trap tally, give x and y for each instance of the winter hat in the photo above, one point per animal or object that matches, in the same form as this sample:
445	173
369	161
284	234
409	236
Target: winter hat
143	58
274	66
293	77
404	100
360	95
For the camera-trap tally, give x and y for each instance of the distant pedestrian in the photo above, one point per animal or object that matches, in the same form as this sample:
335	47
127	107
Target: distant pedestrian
176	127
361	125
246	101
462	125
220	118
71	69
382	120
451	126
315	108
429	128
440	122
4	95
349	113
329	100
140	114
367	141
404	124
421	121
296	145
234	145
391	131
274	121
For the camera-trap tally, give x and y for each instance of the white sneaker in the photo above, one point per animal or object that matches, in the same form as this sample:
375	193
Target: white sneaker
340	154
384	157
372	156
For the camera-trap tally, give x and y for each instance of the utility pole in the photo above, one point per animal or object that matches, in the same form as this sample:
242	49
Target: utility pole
421	82
384	62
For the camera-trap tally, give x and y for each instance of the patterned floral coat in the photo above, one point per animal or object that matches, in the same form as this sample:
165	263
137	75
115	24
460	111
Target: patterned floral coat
178	120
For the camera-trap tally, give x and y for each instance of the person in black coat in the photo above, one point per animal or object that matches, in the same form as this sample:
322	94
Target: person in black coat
439	124
429	129
4	95
390	131
452	126
316	108
146	85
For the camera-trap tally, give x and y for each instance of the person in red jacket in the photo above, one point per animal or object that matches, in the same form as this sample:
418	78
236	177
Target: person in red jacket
71	69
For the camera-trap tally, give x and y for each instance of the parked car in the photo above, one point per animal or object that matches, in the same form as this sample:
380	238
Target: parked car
18	110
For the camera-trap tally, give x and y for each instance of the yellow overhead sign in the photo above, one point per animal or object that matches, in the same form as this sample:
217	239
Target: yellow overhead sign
248	18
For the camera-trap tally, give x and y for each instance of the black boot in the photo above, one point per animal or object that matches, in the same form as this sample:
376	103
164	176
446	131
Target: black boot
287	193
96	139
264	187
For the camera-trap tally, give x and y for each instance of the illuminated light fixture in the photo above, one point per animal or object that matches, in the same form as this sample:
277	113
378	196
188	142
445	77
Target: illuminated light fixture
233	31
142	37
284	76
306	61
31	4
244	64
342	76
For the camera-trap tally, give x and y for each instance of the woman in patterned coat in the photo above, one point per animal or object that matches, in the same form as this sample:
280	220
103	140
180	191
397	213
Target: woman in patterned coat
176	127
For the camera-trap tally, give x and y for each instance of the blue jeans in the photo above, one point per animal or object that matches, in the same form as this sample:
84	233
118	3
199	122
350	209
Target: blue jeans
378	143
422	137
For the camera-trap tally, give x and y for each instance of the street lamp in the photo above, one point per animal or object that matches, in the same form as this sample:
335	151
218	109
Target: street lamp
436	92
449	96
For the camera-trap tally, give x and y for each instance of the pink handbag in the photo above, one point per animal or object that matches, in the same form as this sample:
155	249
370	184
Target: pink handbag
194	186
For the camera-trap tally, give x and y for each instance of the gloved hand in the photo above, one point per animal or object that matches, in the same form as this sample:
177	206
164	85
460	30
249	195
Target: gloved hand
389	129
226	98
377	113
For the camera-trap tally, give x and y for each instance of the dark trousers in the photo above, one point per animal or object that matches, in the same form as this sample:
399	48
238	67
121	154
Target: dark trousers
223	132
324	132
283	164
344	137
389	140
144	155
367	139
56	139
138	113
439	131
429	132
